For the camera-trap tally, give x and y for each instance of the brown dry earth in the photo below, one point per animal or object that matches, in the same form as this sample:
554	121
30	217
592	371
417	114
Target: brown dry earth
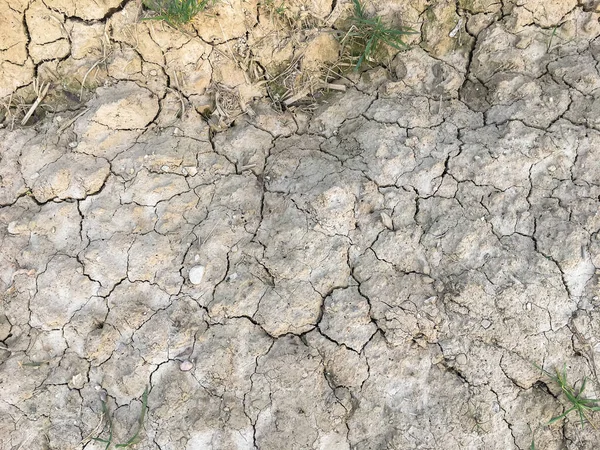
378	273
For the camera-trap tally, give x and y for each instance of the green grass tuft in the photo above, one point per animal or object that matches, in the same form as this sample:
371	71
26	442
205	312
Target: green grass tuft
582	405
175	12
136	437
370	32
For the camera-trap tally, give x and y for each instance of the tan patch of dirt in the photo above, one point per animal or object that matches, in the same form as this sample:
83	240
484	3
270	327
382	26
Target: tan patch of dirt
283	50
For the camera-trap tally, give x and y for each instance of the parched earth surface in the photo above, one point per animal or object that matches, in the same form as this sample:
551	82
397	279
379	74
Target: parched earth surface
379	274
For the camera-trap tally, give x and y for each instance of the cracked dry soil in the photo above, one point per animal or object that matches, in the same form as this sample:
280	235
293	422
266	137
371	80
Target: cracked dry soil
379	274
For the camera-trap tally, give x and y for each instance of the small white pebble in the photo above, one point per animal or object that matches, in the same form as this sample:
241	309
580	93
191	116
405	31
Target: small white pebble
486	323
196	274
13	227
153	72
191	170
387	221
186	366
131	171
165	168
528	306
551	168
72	144
461	359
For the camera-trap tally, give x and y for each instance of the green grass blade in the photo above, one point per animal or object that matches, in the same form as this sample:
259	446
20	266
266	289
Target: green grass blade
358	9
359	63
393	42
562	416
532	446
582	386
136	437
545	372
570	396
401	31
582	417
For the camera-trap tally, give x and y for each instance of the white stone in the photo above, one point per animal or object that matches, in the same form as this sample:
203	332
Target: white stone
186	366
196	274
13	227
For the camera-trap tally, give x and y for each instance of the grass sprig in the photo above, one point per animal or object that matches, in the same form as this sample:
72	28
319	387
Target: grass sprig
136	437
370	32
175	12
582	405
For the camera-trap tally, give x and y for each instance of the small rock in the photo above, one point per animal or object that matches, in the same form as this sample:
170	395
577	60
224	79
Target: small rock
186	366
387	221
77	381
13	227
191	170
486	323
232	277
196	274
461	359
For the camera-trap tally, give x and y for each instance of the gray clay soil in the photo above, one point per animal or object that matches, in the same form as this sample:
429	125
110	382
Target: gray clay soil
380	273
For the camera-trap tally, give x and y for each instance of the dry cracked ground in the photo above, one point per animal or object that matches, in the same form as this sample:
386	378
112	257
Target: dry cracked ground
379	274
